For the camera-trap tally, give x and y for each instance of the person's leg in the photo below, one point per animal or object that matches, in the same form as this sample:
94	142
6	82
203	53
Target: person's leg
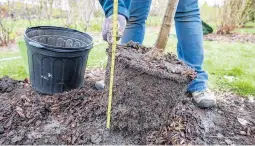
135	28
190	49
190	41
179	52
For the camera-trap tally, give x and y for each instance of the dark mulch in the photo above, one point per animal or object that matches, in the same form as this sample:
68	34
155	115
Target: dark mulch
78	117
233	37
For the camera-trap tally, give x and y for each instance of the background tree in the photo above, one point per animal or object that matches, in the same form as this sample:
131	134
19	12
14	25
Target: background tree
7	20
233	14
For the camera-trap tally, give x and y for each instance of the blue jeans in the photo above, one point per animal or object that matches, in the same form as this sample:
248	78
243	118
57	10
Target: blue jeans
189	34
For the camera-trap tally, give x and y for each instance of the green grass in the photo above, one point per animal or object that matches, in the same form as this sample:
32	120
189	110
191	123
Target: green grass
14	69
9	54
231	66
96	23
249	28
245	30
98	56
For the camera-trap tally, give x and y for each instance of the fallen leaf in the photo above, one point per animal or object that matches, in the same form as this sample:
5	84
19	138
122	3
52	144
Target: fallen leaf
25	98
8	124
219	135
1	118
25	85
242	121
242	132
19	110
182	141
228	141
73	124
26	80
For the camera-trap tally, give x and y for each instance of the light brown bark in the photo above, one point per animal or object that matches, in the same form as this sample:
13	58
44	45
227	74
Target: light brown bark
166	25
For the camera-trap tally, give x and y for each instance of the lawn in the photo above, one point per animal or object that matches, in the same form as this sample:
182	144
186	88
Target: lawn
5	54
13	68
230	65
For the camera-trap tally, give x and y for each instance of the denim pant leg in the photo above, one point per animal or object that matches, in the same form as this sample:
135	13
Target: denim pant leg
190	41
135	28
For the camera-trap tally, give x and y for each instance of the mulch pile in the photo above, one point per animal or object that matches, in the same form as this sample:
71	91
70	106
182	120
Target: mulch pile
79	117
233	37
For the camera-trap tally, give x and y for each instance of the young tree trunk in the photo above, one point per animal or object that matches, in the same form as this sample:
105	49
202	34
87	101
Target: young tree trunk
166	25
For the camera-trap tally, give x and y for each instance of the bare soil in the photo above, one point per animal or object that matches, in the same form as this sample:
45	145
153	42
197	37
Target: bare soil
79	116
7	84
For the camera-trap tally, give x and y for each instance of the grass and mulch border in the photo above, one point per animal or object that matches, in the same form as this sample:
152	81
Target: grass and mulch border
229	60
232	37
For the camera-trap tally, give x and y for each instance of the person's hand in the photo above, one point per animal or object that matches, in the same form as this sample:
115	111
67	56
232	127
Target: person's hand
108	28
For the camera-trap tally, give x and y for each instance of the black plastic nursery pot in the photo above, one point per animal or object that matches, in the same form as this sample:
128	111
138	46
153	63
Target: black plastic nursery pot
57	58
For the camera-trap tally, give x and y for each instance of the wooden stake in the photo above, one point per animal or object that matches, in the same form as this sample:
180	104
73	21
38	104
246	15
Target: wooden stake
166	25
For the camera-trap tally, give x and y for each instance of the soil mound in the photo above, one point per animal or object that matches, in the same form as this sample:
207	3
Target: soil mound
7	84
145	91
